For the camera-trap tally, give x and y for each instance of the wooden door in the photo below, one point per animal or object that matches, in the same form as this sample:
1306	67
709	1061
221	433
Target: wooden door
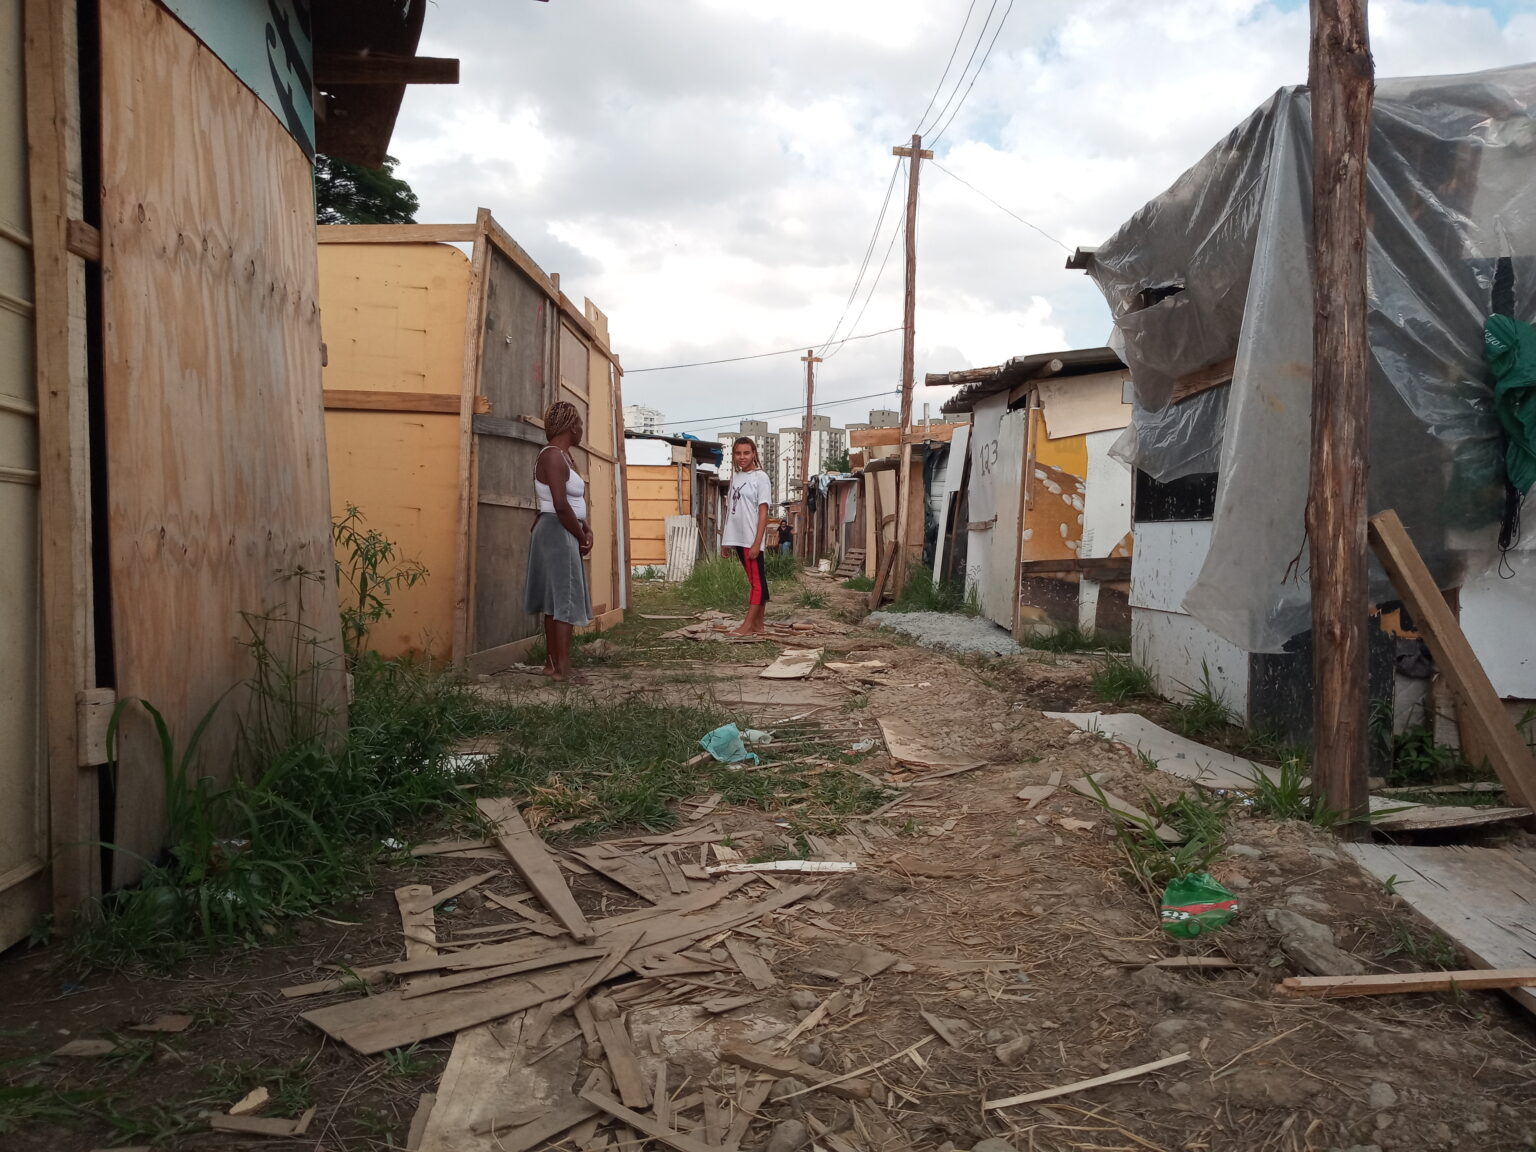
23	845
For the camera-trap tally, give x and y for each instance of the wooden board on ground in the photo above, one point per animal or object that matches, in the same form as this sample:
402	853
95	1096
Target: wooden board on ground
640	874
1085	786
1494	733
1171	753
907	747
793	664
1398	983
533	860
1484	899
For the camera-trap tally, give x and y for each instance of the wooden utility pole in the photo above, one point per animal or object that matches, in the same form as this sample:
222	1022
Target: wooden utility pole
915	156
810	359
1341	83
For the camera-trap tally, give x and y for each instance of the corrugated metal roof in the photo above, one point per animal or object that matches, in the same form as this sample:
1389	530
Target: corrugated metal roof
979	383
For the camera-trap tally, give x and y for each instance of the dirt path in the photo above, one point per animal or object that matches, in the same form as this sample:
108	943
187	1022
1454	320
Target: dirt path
1015	928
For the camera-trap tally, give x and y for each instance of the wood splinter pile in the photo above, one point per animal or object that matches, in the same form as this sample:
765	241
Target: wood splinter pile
560	1032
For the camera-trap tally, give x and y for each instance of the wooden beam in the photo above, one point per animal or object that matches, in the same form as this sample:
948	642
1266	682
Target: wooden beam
474	345
395	234
1340	80
84	240
383	68
1204	379
361	400
1400	982
533	861
1496	734
63	432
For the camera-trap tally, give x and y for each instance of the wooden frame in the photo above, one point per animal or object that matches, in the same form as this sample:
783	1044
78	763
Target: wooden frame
68	648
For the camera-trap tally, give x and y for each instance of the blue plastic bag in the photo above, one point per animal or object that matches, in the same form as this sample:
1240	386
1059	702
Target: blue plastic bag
725	745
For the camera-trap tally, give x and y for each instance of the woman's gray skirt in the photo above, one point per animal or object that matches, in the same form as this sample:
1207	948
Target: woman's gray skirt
557	582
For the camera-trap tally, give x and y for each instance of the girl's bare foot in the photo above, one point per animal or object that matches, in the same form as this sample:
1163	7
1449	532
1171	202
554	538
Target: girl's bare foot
568	677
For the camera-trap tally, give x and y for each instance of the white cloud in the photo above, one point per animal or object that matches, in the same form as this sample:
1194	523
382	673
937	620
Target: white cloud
708	171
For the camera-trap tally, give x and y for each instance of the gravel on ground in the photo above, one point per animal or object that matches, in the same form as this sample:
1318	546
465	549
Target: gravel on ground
950	631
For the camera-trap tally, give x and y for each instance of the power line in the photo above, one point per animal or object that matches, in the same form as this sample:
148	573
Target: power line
756	355
995	204
937	88
869	250
889	248
772	411
976	75
979	37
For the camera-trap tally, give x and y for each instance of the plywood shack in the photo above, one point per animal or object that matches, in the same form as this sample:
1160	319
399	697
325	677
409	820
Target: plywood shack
440	366
162	470
667	477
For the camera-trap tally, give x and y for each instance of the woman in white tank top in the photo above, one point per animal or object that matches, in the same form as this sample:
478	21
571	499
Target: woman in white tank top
556	585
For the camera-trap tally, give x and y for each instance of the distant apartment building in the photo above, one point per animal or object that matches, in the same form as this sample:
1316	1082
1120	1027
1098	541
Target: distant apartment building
642	418
878	418
826	442
767	451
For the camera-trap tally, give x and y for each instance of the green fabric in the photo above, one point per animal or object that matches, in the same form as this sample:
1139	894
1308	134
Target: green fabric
1510	346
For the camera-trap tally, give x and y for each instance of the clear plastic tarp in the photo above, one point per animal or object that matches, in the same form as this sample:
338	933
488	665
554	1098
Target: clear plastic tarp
1218	268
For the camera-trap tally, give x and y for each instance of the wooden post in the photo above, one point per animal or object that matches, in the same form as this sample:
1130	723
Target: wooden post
474	344
1340	78
916	155
803	545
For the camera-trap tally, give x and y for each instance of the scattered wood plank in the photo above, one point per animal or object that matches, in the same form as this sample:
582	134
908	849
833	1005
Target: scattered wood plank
907	747
1083	1085
416	920
672	873
1182	962
537	921
761	1059
167	1022
640	874
833	1141
419	1119
793	664
624	942
720	1005
837	1083
746	1110
534	862
833	1003
714	1121
86	1048
1493	731
252	1102
428	986
443	847
751	963
544	1126
1401	982
1037	794
619	1051
434	899
263	1125
945	1028
647	1126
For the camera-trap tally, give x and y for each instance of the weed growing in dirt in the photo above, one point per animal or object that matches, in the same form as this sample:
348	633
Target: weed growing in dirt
809	599
369	569
1417	759
1120	679
1425	947
720	582
1151	864
620	765
411	1062
859	583
1287	795
922	593
1203	713
1071	639
781	565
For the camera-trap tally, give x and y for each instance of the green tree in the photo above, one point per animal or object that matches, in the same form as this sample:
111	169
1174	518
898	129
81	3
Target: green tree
351	194
837	464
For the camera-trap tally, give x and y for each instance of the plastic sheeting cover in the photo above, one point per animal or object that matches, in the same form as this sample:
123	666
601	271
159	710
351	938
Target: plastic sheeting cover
1218	267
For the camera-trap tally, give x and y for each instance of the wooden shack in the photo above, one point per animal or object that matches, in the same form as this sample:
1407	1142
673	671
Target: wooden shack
440	365
162	470
672	479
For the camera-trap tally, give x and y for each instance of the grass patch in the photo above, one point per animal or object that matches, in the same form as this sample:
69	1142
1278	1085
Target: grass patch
859	583
809	599
1203	713
781	565
721	582
1120	679
1425	947
921	593
1151	864
1072	639
621	765
1416	759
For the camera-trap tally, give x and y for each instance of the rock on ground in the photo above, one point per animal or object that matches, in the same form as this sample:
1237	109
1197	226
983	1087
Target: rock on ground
788	1136
949	630
1311	945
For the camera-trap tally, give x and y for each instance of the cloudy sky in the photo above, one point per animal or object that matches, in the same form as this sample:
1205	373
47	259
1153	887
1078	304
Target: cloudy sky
710	172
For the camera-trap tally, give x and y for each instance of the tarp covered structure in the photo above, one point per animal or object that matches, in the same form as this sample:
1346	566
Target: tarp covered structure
1216	271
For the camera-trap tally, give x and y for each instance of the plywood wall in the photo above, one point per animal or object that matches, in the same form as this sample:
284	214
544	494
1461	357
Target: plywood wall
656	491
216	468
393	317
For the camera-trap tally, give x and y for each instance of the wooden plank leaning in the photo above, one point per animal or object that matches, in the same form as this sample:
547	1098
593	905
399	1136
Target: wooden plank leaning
532	859
1495	733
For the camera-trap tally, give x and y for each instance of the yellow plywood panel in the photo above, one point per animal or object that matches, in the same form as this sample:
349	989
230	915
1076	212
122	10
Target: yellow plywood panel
402	471
1053	517
215	450
393	317
600	509
1070	453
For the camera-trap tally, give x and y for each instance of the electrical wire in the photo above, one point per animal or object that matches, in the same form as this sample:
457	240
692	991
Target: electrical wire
939	87
955	90
757	355
975	76
995	204
869	250
889	248
775	411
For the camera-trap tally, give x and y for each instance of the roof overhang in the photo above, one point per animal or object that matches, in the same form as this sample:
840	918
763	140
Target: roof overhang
365	55
1082	259
979	383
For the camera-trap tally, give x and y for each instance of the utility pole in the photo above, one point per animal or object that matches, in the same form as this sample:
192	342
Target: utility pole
915	155
1341	82
810	359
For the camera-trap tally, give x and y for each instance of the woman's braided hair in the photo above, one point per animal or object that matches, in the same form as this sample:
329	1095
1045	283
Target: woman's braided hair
561	416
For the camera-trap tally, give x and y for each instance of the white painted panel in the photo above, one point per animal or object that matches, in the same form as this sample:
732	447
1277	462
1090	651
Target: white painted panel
1499	618
986	449
1077	405
1179	651
1106	497
1000	589
954	469
1169	557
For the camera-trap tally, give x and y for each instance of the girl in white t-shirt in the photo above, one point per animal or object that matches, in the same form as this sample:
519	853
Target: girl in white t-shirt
746	523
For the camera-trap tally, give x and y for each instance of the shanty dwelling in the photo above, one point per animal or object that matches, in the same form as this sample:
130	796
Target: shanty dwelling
1048	507
1210	286
932	448
674	501
439	368
162	463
